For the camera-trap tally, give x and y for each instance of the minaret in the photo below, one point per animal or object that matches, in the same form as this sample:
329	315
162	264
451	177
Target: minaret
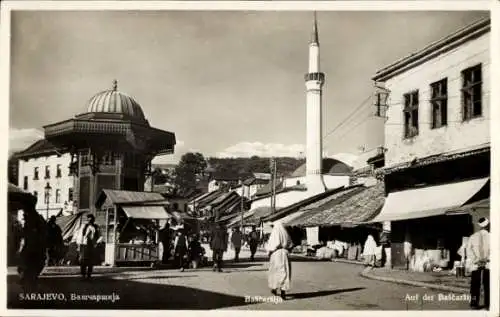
314	83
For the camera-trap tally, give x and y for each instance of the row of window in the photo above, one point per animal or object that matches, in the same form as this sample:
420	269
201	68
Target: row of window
47	172
471	98
58	195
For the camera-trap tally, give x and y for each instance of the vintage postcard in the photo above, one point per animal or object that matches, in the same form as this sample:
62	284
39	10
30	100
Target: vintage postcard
249	157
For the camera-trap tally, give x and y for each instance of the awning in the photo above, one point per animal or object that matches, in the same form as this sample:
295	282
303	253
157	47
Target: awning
428	201
472	207
146	212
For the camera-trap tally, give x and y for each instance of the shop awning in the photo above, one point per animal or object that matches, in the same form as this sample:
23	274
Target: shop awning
472	207
146	212
428	201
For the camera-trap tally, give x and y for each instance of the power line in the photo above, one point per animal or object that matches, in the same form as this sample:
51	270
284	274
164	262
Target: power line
348	117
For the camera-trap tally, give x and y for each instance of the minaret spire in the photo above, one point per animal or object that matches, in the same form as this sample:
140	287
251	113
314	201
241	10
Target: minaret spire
314	86
314	34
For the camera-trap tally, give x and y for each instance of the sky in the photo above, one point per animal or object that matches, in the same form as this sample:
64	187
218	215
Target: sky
227	83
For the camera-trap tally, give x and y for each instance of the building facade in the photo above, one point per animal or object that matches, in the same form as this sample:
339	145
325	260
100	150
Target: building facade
40	165
439	103
437	146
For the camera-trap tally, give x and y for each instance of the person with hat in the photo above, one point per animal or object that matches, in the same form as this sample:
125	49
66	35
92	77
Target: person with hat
87	240
478	252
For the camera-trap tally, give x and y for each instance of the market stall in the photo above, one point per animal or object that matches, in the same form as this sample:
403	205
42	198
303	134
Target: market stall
130	223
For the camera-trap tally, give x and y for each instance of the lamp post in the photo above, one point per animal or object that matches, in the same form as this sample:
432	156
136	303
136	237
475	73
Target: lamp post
48	189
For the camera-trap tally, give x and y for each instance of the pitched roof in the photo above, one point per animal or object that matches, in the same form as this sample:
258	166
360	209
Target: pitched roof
434	49
39	148
253	218
359	206
320	199
128	197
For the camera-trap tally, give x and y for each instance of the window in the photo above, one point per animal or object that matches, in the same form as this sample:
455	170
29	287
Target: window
471	93
410	112
108	158
25	183
35	193
58	171
70	194
58	195
46	197
47	172
439	103
35	173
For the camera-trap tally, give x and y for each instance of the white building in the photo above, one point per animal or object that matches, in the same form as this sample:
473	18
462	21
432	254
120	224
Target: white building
41	165
436	102
439	97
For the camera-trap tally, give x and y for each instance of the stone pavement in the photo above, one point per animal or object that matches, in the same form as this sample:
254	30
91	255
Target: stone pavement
316	285
436	280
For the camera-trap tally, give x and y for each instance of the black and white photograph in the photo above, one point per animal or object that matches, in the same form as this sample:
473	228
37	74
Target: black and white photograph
283	160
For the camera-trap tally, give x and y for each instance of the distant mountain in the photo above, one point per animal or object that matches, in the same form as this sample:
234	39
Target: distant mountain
255	164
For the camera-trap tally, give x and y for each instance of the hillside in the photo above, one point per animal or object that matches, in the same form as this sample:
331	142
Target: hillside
255	164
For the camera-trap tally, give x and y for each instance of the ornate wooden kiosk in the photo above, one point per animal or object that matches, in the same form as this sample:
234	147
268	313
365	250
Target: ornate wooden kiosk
111	145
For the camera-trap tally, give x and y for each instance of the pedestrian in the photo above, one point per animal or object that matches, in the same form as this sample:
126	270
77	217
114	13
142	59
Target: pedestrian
478	252
280	268
165	240
218	244
88	239
253	242
54	241
195	251
32	248
369	251
236	242
180	249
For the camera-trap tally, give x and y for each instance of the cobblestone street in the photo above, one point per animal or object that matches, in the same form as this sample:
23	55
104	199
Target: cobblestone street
315	286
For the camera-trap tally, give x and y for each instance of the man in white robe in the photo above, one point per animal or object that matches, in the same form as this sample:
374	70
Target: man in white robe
478	251
280	269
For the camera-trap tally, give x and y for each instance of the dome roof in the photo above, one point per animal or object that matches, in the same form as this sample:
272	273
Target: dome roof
330	166
114	101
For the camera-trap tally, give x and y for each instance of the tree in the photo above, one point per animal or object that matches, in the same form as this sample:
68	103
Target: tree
189	168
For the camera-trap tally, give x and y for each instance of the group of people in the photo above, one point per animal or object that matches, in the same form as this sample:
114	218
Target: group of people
186	248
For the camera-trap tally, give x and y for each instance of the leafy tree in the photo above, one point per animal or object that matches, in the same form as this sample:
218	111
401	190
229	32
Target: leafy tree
189	168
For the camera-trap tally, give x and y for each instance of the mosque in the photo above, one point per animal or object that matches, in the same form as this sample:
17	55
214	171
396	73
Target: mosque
318	174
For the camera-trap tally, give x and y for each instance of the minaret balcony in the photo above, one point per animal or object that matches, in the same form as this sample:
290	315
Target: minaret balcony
315	76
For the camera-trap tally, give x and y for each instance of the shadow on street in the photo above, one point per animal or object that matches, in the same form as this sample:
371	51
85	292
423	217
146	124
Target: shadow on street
323	293
132	295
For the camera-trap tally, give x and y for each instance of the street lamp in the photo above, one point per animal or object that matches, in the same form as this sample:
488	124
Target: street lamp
48	189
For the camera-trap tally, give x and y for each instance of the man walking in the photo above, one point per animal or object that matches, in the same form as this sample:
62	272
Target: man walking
218	244
165	239
236	242
87	243
479	254
54	241
180	249
253	242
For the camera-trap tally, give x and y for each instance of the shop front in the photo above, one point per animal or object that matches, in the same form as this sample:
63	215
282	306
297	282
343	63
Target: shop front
429	224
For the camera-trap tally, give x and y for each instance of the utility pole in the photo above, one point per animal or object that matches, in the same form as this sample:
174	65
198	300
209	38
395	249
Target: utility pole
241	204
273	184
